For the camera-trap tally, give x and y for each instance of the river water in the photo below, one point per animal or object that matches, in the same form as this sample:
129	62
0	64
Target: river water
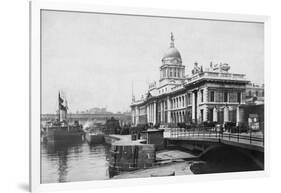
74	162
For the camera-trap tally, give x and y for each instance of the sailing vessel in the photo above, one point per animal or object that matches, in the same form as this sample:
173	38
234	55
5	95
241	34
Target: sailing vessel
62	129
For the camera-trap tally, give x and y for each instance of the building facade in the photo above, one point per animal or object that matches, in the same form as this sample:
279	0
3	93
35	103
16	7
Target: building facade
210	94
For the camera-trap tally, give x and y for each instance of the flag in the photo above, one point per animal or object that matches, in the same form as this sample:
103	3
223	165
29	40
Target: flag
60	99
62	107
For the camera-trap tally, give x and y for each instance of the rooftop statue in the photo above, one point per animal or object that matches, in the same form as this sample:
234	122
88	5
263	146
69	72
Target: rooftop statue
197	69
152	85
222	67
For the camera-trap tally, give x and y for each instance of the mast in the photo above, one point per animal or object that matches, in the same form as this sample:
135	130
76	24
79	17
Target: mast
59	106
133	96
66	108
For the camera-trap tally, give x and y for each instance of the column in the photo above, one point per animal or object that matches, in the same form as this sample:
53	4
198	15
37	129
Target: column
205	114
193	107
169	110
162	112
215	115
147	113
159	110
237	115
154	113
205	95
226	115
150	113
137	115
133	116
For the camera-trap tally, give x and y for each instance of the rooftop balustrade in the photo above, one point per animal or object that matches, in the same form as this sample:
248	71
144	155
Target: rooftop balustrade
216	75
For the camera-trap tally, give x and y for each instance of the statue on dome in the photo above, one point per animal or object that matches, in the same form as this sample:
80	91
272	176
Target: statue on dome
172	44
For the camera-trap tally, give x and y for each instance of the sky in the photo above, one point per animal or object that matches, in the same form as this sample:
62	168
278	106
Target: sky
96	59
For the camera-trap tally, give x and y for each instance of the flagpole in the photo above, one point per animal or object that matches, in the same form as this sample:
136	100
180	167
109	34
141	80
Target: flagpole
59	106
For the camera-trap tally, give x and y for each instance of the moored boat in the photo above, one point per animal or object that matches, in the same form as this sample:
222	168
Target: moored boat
94	138
62	130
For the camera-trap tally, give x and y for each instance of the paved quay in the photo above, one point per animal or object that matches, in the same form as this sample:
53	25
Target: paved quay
173	155
178	167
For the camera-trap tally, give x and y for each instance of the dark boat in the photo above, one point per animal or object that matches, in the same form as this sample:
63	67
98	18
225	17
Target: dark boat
94	138
62	130
94	132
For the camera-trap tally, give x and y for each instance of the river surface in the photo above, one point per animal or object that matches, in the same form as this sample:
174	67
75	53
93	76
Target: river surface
74	162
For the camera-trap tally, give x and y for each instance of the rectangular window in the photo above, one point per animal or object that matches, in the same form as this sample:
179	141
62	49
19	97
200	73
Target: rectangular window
202	96
212	97
219	96
225	98
188	99
201	115
239	97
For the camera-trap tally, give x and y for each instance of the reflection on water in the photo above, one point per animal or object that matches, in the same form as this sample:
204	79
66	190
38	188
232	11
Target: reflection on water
73	162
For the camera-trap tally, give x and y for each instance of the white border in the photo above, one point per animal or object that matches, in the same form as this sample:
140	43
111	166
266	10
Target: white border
34	146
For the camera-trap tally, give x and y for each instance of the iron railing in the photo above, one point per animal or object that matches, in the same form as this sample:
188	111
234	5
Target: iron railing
250	137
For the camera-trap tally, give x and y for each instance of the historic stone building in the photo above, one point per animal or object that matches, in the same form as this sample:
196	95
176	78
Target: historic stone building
209	94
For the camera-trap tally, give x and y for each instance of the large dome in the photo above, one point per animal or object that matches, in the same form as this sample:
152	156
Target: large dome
172	52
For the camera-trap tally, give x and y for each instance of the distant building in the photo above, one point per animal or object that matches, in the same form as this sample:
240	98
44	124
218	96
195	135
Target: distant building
96	110
212	94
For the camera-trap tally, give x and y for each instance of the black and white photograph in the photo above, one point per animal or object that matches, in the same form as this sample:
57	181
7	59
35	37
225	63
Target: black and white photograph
137	96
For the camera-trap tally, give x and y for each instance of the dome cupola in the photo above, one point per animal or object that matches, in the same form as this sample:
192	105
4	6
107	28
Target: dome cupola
172	53
172	71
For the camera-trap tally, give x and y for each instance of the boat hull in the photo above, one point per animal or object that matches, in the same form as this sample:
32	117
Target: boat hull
93	138
63	134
